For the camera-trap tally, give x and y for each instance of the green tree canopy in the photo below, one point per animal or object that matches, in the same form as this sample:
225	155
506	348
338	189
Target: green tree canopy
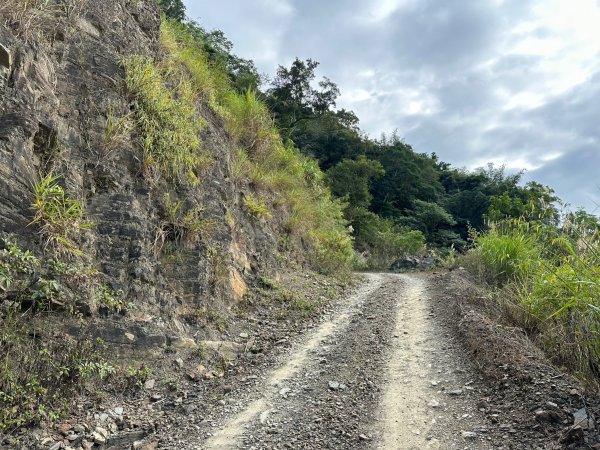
173	9
351	179
292	97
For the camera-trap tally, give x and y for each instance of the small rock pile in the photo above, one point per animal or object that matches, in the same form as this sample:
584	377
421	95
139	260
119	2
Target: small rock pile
114	430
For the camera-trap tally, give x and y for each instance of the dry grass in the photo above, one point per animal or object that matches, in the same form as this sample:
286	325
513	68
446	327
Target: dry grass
32	19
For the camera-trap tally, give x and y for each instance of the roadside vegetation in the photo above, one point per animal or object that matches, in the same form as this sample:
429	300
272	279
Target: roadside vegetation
397	201
304	169
546	269
39	374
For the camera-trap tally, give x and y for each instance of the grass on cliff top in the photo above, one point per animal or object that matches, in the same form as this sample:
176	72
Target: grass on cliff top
31	20
285	183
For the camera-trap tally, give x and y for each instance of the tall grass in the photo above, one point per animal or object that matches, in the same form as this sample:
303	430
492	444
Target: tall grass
166	116
33	19
60	219
509	254
553	275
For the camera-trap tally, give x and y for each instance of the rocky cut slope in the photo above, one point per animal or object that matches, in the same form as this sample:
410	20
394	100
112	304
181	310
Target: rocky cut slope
139	191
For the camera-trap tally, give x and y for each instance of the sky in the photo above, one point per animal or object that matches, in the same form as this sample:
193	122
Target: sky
513	82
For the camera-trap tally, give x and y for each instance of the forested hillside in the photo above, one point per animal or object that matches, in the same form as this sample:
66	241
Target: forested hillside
170	217
397	200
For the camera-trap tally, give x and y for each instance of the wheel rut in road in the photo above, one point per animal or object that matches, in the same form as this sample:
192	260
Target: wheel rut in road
380	373
230	435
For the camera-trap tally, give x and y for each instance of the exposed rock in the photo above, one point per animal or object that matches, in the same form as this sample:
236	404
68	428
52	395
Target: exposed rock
53	118
227	350
238	285
573	434
98	438
284	392
5	68
468	435
64	428
583	419
183	343
413	262
455	393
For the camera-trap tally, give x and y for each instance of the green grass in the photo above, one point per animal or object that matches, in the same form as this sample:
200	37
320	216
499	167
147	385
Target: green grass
257	207
181	224
167	119
553	276
59	219
291	184
509	254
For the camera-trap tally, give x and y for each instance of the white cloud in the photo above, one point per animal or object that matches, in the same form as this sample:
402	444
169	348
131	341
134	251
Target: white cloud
510	81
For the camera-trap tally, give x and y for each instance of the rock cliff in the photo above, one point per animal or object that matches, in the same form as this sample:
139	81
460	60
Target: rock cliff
62	82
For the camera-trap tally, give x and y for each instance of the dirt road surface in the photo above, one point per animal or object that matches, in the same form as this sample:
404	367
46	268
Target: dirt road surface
380	372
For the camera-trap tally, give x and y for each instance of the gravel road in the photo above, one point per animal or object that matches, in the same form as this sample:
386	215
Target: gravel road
379	373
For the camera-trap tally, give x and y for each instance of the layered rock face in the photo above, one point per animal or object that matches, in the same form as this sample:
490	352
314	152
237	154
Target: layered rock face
60	81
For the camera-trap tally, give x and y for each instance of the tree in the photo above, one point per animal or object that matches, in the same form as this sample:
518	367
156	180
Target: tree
293	99
408	176
352	179
329	140
173	9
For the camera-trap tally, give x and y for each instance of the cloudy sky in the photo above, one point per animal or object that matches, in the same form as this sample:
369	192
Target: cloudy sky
514	82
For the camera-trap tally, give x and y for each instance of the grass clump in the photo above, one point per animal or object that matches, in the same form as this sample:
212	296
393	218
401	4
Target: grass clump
510	253
165	114
59	218
182	225
33	19
218	267
117	131
257	207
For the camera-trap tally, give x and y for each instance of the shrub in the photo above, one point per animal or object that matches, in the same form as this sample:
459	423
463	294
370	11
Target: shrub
380	240
108	298
37	376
